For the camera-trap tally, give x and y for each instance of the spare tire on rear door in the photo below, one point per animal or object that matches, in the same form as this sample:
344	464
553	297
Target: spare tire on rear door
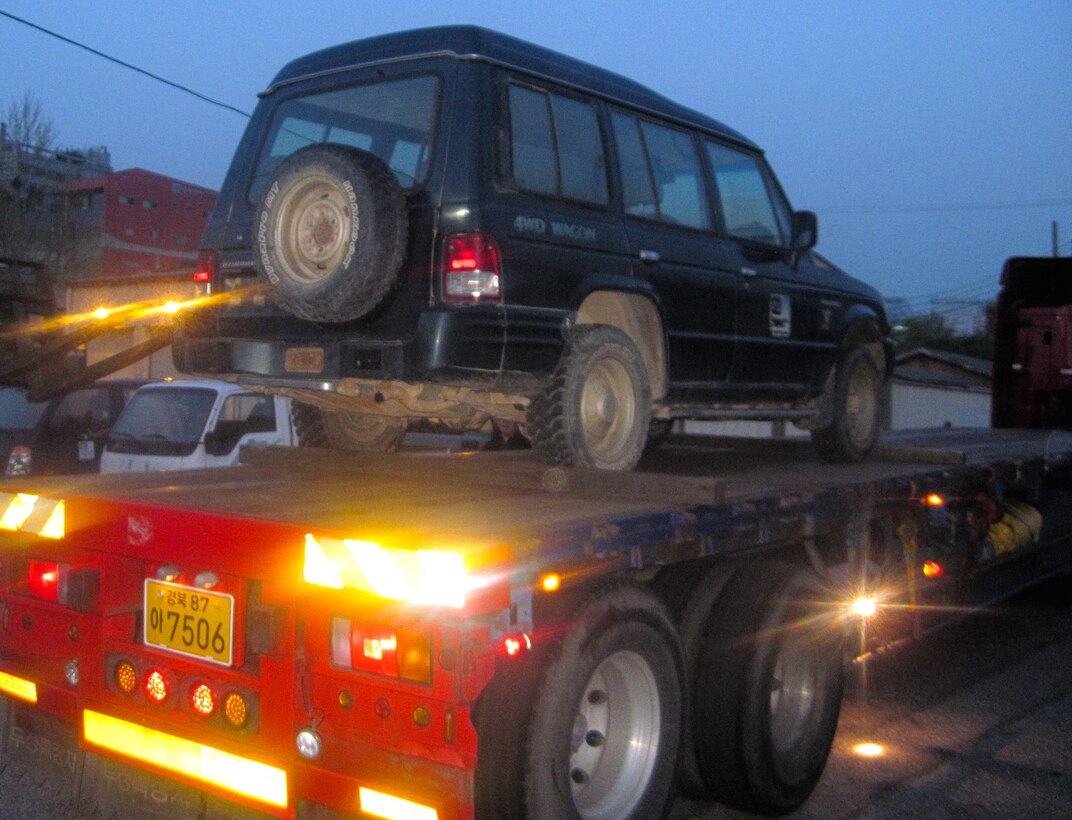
331	233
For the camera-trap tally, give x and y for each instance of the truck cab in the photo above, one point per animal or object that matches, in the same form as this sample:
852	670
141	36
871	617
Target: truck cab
185	425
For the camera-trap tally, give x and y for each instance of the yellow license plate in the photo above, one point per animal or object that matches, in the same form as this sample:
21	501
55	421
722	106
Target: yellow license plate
189	621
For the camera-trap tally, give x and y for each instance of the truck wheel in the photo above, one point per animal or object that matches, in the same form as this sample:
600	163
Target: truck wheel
767	693
606	720
596	410
331	233
857	395
363	432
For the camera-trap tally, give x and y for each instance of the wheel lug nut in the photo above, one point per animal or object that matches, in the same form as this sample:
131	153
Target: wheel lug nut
579	776
595	738
597	696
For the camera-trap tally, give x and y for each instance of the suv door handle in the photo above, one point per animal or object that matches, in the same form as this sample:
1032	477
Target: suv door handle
649	256
749	272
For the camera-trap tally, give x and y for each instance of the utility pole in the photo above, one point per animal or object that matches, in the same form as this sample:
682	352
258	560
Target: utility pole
1056	244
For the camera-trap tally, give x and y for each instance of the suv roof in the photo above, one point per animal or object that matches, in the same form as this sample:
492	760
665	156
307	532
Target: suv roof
476	43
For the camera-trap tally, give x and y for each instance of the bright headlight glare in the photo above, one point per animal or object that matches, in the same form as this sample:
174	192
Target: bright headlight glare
433	577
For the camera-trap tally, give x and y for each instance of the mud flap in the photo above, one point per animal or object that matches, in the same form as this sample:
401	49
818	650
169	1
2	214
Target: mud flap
113	789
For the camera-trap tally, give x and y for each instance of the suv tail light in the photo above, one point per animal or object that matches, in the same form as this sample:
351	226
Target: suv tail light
471	271
205	272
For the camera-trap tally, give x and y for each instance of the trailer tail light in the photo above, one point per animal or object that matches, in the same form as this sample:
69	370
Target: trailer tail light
932	569
47	581
471	271
433	577
396	653
235	710
514	645
126	677
205	273
381	804
203	700
157	687
934	500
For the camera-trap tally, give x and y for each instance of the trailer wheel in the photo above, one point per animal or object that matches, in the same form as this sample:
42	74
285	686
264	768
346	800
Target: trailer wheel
606	720
595	412
363	432
767	691
857	395
331	233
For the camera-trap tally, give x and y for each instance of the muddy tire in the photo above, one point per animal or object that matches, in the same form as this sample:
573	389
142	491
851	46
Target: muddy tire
331	233
595	413
857	397
767	690
362	432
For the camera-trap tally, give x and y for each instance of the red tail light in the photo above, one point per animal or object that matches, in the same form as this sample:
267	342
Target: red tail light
471	271
205	272
45	580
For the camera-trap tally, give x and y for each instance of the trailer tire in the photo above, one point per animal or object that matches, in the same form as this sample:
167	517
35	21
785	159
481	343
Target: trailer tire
768	688
595	413
854	429
606	720
363	432
330	233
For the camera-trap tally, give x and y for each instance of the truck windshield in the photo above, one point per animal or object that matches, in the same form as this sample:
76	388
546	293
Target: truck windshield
391	119
162	421
15	412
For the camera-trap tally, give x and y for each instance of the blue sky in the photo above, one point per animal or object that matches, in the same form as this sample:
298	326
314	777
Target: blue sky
934	139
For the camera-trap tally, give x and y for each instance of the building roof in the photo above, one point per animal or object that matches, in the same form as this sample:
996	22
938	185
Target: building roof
953	369
969	364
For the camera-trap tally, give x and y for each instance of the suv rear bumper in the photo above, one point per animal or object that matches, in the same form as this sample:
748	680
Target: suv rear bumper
492	346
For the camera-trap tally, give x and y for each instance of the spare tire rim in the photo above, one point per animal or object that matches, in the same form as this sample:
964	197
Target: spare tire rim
608	408
615	739
313	228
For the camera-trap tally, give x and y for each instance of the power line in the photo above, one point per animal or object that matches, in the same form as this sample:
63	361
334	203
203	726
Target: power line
946	208
125	64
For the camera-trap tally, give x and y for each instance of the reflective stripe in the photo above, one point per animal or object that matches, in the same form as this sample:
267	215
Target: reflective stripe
22	512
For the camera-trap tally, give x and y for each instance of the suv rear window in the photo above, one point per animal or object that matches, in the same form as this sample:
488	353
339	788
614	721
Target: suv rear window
392	119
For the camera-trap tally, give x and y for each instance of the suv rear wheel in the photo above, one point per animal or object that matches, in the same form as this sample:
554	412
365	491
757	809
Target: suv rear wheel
597	409
331	233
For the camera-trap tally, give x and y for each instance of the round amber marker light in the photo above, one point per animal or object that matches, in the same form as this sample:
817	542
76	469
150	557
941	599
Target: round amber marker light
202	699
235	710
126	678
156	686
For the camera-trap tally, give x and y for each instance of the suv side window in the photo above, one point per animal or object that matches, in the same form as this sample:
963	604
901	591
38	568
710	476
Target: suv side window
748	209
661	172
555	146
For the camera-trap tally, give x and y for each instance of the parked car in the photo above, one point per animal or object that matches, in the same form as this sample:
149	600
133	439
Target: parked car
62	435
453	224
182	425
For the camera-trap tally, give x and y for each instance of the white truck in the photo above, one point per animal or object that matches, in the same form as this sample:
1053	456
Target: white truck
192	424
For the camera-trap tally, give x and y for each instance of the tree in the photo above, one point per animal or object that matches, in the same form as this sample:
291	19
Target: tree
27	124
932	332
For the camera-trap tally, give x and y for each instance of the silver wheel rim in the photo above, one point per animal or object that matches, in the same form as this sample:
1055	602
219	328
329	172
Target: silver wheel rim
861	406
608	408
615	739
797	690
313	228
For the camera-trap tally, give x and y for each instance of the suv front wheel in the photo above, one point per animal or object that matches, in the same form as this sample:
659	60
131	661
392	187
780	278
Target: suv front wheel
596	411
857	396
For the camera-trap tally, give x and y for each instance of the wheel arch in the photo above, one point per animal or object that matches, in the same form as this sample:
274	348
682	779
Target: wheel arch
637	316
862	327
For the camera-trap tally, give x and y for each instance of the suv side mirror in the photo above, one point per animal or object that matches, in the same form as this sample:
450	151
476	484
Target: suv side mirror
805	231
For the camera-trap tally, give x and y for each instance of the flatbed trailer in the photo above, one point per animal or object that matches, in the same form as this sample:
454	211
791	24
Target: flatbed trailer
455	635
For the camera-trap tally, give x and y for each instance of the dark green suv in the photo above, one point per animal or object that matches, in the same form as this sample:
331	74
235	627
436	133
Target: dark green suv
453	224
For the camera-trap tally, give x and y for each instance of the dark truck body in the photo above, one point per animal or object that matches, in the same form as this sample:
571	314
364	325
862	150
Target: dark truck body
947	499
1033	344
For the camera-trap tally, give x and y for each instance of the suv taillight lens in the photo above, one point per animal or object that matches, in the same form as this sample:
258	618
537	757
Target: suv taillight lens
471	271
205	272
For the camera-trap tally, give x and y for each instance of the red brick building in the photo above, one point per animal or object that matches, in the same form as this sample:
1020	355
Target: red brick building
134	223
